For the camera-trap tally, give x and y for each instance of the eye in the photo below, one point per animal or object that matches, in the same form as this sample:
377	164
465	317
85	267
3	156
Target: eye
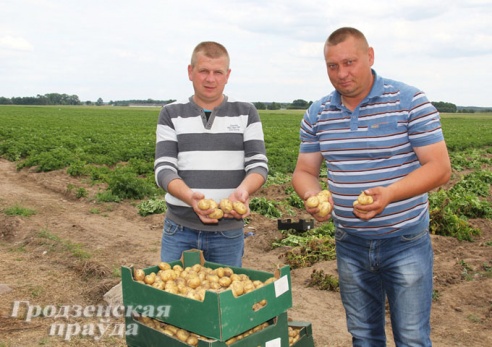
332	66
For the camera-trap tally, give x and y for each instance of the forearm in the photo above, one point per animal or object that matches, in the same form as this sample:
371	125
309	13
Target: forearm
251	183
179	189
305	178
420	181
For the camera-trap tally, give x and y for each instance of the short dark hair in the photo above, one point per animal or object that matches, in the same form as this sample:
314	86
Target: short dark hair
342	34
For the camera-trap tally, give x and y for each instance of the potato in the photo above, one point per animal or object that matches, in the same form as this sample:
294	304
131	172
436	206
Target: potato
239	207
139	274
204	204
168	332
149	279
363	199
217	214
219	272
237	288
164	266
192	341
225	282
182	335
226	205
193	282
197	268
228	272
167	275
324	209
312	201
213	204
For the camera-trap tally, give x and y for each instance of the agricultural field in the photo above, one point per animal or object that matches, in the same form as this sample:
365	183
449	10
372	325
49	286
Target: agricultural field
78	200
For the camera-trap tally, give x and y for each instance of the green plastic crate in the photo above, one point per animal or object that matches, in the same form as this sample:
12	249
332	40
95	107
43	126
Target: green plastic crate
221	315
305	334
275	335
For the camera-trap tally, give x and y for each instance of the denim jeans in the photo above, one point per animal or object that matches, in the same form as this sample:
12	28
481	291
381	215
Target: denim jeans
223	247
399	269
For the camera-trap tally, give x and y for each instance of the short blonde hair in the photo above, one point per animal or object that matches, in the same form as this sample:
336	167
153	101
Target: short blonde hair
210	49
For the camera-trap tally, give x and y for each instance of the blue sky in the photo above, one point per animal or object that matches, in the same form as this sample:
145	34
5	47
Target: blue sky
120	49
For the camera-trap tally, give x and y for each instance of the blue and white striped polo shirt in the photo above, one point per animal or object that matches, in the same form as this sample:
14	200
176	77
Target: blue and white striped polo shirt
373	146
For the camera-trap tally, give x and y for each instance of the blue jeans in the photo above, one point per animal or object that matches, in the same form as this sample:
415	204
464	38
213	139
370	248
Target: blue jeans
223	247
399	268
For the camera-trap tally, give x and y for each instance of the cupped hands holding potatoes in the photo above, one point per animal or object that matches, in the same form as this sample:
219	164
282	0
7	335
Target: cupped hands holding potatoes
210	211
319	205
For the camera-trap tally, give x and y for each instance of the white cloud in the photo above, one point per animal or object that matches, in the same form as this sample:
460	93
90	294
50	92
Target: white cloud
10	42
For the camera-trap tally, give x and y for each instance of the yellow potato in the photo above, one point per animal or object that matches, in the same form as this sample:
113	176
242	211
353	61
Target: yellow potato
364	199
204	204
192	341
164	266
149	279
239	207
312	201
225	282
193	282
324	192
182	335
324	209
217	214
139	274
213	204
226	205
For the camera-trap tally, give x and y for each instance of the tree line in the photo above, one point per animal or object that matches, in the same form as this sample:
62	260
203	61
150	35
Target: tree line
298	104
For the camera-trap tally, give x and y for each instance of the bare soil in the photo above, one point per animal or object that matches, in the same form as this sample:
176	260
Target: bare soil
68	255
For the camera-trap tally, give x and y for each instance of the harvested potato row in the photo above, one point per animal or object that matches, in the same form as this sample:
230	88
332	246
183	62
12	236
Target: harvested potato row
194	281
294	335
320	201
225	206
363	199
189	337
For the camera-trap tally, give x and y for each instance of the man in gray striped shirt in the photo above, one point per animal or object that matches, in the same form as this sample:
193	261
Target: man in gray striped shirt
209	146
383	138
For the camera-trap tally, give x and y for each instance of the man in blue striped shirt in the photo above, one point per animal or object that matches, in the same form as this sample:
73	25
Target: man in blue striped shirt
383	138
209	146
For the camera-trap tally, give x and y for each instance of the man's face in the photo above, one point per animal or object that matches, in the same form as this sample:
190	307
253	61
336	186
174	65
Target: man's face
349	67
209	77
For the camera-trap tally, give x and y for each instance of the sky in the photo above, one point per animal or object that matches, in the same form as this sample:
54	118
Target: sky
121	49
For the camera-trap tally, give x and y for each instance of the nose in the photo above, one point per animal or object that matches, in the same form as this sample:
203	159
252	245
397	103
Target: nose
342	71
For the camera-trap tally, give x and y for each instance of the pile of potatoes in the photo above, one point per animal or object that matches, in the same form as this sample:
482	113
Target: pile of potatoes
294	335
224	207
170	330
320	201
192	338
194	281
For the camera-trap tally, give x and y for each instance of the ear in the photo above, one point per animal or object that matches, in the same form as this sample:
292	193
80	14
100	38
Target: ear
228	74
370	52
190	70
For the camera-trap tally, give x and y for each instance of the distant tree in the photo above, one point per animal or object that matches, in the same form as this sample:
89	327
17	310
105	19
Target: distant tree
445	107
298	104
99	102
274	106
5	101
260	105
